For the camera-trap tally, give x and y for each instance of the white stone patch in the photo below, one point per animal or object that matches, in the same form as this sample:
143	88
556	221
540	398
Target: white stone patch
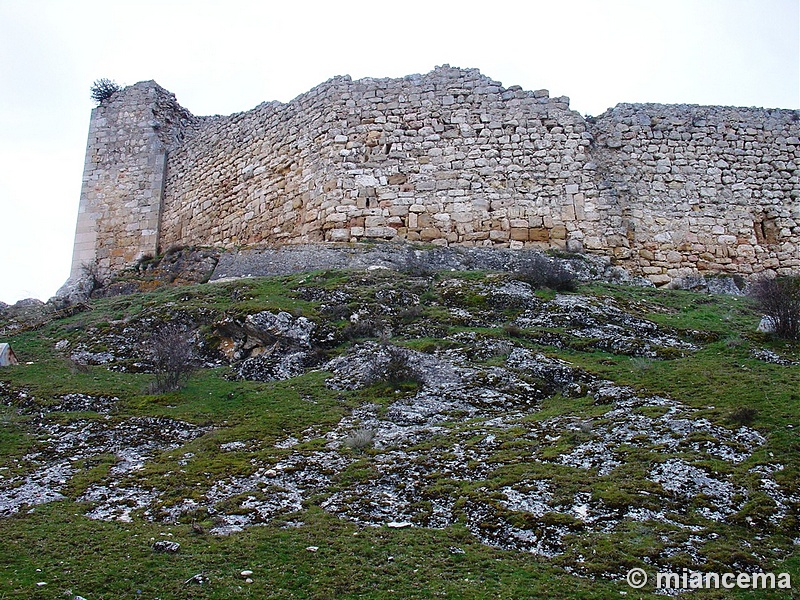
40	487
535	501
117	503
232	446
287	443
594	454
687	481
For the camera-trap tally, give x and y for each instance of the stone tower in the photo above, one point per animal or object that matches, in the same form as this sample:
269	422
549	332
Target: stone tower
130	136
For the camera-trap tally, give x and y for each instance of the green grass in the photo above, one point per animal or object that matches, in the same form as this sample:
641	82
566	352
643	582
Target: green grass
350	562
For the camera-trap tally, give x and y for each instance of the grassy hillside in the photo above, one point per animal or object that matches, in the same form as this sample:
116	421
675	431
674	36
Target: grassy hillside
452	435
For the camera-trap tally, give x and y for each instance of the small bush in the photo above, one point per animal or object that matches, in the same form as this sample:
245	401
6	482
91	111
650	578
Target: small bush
641	363
779	299
744	415
145	261
513	330
103	89
734	341
90	271
410	314
542	272
173	358
502	348
398	370
76	366
337	312
393	367
363	328
176	249
360	439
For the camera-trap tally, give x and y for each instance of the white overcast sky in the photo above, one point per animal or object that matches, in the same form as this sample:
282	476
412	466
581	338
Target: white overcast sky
220	57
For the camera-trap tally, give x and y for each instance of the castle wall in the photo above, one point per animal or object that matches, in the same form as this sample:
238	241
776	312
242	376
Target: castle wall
702	188
448	158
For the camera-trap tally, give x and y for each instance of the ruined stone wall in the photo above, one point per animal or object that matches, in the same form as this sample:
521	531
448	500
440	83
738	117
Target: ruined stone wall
701	188
250	178
452	157
447	158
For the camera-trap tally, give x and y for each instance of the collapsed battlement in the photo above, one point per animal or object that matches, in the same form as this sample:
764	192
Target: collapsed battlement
450	157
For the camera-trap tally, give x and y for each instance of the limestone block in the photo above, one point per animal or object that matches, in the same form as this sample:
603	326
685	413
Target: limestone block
464	217
397	179
535	221
425	220
366	180
398	211
539	234
374	221
593	242
519	233
379	232
339	235
430	233
646	254
475	236
579	202
674	257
